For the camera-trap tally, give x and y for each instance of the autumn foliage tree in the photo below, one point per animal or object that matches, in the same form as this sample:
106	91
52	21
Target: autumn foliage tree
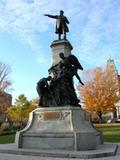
100	93
19	112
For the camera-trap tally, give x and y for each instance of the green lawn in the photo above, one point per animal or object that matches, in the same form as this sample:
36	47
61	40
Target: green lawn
7	138
111	133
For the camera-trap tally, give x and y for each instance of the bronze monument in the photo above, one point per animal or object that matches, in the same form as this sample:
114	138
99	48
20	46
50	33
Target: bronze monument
61	24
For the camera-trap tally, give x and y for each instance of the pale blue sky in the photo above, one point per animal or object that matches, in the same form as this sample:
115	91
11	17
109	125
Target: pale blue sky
25	36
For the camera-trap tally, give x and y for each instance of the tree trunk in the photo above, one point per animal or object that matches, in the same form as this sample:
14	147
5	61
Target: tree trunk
100	116
114	114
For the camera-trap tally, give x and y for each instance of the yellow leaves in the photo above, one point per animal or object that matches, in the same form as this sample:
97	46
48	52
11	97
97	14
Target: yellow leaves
18	114
20	111
13	114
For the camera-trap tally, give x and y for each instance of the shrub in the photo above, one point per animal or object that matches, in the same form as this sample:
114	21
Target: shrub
15	127
4	127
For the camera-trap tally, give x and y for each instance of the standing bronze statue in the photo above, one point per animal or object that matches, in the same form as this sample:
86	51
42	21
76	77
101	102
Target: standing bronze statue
61	24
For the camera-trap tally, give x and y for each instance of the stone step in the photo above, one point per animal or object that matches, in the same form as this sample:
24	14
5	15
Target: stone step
105	150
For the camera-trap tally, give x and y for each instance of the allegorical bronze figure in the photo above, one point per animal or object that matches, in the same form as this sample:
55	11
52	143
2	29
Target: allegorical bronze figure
61	24
60	91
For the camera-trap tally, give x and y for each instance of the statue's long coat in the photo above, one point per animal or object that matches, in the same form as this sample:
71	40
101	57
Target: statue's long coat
61	24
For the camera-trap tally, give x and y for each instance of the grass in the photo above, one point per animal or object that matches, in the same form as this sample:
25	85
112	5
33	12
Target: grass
108	125
111	133
4	139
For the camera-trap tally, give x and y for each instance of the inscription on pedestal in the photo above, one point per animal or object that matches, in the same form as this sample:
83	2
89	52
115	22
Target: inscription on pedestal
51	115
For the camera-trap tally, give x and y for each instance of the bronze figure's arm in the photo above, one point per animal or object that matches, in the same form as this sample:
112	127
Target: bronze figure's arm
51	16
67	20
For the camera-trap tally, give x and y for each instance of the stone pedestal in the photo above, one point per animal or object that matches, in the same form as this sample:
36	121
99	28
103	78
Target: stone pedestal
59	128
60	46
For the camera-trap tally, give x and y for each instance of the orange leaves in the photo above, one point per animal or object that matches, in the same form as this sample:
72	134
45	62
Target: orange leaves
100	92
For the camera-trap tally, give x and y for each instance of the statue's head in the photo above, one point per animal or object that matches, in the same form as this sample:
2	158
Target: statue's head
61	12
61	54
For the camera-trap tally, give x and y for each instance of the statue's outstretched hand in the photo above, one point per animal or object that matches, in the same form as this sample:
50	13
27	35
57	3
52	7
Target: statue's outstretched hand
45	14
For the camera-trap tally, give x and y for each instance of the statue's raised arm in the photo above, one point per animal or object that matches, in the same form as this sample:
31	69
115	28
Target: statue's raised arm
61	24
51	16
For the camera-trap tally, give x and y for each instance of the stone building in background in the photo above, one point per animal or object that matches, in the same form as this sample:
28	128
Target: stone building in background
111	65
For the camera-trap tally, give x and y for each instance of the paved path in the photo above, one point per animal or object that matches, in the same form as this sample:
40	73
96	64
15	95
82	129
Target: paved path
4	156
21	157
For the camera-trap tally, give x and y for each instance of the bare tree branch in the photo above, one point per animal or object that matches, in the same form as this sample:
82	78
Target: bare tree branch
4	76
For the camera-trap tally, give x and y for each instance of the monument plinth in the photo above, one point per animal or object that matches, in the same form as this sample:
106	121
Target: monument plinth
59	128
58	46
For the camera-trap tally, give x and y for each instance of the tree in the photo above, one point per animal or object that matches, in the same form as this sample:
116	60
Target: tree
34	102
100	92
4	76
13	114
23	104
5	101
19	112
5	98
22	101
